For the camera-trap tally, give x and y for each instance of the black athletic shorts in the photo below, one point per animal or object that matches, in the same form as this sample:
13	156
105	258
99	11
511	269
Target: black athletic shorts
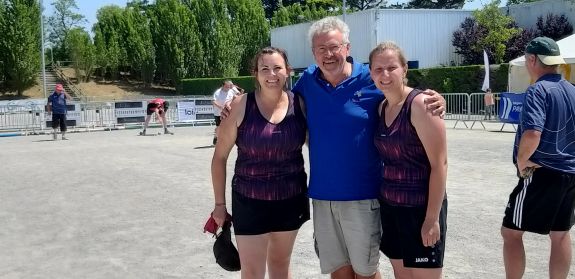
253	216
401	236
152	106
59	120
542	203
218	120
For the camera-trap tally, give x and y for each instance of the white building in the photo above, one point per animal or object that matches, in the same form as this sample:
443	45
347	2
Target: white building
424	35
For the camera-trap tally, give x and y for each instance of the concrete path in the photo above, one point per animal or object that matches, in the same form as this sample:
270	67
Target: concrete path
117	205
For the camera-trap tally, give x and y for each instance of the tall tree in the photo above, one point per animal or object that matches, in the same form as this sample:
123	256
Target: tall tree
60	23
297	13
365	4
554	26
515	2
176	39
109	40
227	54
20	43
431	4
466	39
250	27
499	28
2	67
82	53
140	49
270	6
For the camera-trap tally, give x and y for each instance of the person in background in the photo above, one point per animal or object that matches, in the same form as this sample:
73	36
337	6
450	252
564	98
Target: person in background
223	96
57	102
544	153
269	186
412	145
159	107
489	102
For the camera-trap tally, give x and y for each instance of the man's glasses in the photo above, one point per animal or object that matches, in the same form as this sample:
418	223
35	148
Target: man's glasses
332	49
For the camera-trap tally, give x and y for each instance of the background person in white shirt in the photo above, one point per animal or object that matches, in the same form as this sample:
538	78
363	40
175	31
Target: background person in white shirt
222	96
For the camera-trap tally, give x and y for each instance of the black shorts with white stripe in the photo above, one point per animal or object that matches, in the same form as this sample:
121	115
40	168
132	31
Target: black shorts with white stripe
542	203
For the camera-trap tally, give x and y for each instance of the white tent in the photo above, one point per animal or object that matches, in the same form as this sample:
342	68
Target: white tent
519	78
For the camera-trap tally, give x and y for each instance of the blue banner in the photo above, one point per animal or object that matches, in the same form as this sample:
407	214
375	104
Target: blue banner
510	106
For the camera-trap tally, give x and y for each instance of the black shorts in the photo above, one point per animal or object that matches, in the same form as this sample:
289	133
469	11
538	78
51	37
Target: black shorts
401	237
152	106
542	203
253	217
59	120
218	120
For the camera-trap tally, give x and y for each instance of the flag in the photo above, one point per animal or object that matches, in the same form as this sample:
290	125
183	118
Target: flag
486	79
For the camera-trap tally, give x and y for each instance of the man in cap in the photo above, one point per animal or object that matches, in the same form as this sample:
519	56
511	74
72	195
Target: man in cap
57	105
544	153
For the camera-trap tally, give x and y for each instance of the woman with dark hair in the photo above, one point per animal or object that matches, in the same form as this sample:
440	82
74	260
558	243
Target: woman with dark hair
269	190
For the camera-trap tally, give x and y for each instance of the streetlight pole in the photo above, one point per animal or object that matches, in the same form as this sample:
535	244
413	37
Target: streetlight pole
42	48
343	10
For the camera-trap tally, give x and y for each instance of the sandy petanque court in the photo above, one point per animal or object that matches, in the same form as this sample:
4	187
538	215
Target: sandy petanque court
116	205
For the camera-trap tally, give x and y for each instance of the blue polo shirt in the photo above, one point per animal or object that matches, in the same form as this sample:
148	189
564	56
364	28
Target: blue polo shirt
58	103
344	163
549	107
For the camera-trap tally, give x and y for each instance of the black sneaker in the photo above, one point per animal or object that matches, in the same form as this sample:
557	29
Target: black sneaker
166	132
214	141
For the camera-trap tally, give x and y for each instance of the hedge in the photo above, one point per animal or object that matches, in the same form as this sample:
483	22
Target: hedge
465	79
207	86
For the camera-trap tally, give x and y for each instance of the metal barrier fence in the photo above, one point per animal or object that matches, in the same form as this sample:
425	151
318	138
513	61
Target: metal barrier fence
85	113
31	117
463	108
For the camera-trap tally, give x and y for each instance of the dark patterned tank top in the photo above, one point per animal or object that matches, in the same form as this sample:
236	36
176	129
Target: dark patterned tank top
270	163
406	168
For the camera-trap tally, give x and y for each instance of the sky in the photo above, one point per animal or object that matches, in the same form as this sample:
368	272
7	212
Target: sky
88	8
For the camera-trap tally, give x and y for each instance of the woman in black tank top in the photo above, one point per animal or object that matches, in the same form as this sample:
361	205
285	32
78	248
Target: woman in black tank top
412	145
269	190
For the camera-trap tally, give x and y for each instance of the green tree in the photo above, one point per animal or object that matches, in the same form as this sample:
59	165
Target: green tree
250	27
515	2
297	13
175	34
271	6
365	4
139	45
109	40
20	43
499	28
227	53
60	23
430	4
82	53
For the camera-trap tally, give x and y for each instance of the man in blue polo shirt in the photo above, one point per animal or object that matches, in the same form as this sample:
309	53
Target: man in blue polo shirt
342	114
544	152
57	105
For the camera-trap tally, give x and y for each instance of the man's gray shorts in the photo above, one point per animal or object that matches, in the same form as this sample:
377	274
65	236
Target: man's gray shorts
347	233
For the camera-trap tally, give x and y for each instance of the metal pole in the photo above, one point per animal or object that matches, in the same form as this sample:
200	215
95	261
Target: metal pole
42	49
343	10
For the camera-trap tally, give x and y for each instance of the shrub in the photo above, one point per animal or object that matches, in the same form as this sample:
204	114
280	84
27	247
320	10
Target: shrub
207	86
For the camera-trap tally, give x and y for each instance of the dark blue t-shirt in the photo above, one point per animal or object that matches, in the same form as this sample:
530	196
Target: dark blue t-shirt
549	107
344	163
58	103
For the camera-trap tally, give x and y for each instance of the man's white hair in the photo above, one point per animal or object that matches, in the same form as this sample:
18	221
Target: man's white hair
326	25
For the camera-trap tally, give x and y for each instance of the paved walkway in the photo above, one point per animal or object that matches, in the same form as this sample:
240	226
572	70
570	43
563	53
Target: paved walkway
116	205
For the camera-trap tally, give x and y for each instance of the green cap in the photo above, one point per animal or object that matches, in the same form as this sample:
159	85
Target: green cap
546	49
